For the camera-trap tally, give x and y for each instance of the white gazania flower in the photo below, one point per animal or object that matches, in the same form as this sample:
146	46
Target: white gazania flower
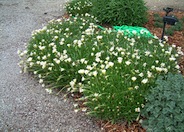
133	78
31	64
172	58
177	67
103	71
147	53
99	37
72	83
41	81
137	109
96	95
35	72
144	81
111	64
75	105
150	41
97	59
67	29
41	47
159	69
48	90
62	69
144	65
157	61
107	58
141	74
57	61
149	74
120	59
86	72
18	52
29	59
81	71
95	73
84	109
76	110
82	60
127	62
166	38
43	64
102	66
89	67
50	68
136	87
44	57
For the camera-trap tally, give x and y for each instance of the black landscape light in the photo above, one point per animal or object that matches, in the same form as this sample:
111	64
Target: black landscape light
170	20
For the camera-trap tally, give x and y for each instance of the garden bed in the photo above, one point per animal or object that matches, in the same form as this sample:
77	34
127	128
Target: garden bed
111	78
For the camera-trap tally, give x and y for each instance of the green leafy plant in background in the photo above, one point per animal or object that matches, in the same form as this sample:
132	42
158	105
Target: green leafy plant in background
120	12
165	105
78	7
110	70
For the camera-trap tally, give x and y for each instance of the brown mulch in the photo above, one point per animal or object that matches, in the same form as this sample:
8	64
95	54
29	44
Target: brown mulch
177	38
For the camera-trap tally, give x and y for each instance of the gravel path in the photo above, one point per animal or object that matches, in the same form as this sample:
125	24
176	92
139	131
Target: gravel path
24	104
160	4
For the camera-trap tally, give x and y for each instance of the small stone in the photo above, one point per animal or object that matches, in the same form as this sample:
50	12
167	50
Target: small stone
27	7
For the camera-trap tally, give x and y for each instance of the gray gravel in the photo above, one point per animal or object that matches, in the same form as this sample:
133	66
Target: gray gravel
160	4
24	104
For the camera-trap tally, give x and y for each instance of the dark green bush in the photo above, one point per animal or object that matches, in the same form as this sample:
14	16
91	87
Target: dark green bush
165	105
120	12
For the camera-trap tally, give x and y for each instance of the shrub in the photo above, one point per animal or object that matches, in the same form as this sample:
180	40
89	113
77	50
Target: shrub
78	7
120	12
122	73
111	70
165	105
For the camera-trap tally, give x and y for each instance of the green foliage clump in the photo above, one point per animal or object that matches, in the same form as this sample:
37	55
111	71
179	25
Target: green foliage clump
115	12
79	7
165	105
51	54
120	12
110	70
178	26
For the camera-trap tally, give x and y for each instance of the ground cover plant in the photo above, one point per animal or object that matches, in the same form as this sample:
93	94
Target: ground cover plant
165	104
110	70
